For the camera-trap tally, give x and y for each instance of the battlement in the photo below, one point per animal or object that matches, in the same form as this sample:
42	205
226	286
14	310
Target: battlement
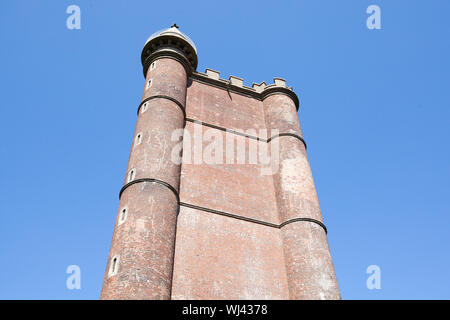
239	82
236	84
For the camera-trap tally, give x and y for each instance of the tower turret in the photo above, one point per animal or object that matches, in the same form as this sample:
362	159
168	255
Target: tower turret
140	263
310	271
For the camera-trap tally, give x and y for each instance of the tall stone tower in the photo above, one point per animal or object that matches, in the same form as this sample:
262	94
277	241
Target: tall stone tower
200	216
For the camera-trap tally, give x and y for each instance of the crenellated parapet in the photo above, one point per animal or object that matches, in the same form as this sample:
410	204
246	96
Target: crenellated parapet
258	91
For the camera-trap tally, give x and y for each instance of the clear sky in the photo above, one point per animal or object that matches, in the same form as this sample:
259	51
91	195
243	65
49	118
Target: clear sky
375	109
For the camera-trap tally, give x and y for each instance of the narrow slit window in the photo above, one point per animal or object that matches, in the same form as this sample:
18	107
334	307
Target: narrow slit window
138	139
123	215
144	107
149	83
131	175
114	266
152	66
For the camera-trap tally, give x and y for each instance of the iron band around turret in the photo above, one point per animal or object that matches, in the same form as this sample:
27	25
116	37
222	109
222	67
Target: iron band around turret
288	135
268	224
178	103
222	213
247	135
152	180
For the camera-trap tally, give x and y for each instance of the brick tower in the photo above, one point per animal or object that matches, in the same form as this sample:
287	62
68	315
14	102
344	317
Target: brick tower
201	216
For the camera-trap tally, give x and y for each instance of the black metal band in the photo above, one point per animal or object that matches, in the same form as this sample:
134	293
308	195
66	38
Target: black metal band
244	134
222	213
304	219
175	192
225	129
269	91
178	103
169	53
235	216
288	135
230	215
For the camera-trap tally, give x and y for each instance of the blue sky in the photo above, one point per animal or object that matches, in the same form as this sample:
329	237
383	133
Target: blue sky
375	109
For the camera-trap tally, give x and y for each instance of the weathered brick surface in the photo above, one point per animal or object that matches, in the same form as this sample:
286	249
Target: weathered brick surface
281	114
234	188
145	243
294	183
223	258
168	78
309	268
223	108
152	157
310	271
